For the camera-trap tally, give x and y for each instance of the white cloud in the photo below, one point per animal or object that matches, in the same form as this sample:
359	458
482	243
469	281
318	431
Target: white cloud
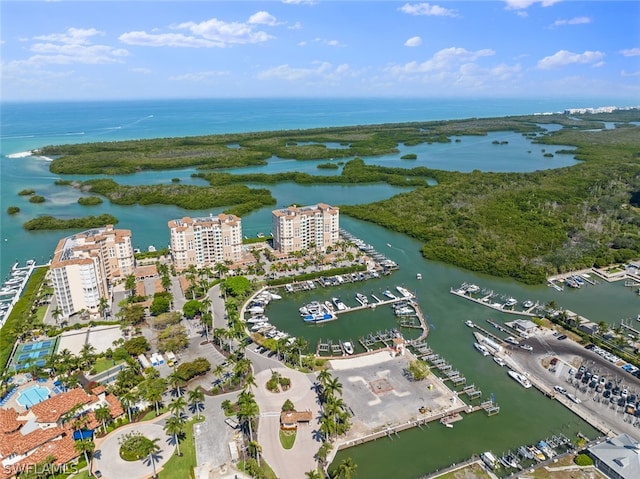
142	71
564	57
263	18
198	76
72	47
295	26
631	52
207	34
331	43
625	73
167	40
571	21
523	4
319	71
427	9
413	42
443	60
299	2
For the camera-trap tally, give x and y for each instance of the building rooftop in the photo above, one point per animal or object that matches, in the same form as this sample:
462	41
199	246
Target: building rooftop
620	454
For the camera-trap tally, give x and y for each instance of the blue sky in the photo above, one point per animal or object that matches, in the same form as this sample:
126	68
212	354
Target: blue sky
66	50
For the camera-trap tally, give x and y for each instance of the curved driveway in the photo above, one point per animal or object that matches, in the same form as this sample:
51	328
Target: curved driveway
106	457
295	462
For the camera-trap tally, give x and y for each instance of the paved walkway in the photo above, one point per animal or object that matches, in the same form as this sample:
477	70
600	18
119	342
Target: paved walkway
106	457
295	462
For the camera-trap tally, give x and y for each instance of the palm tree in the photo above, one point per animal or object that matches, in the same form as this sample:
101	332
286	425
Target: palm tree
87	356
128	399
250	382
85	446
300	344
130	284
56	313
103	305
149	449
247	410
196	401
323	453
346	469
177	405
218	371
332	386
324	376
103	414
313	474
175	427
175	381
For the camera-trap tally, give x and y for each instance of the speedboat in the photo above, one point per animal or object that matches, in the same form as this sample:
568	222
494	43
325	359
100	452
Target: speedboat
536	453
510	302
329	306
258	326
274	295
512	340
473	288
258	319
362	299
489	459
482	349
256	310
404	292
499	361
339	304
469	323
348	347
418	276
510	461
390	295
546	449
527	304
522	380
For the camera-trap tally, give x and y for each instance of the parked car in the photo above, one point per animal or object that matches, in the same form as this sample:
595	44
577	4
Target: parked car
561	337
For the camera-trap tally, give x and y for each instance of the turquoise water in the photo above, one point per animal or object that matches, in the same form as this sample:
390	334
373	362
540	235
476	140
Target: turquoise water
33	395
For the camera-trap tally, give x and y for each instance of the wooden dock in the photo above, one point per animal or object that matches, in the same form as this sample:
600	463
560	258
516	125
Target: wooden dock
485	301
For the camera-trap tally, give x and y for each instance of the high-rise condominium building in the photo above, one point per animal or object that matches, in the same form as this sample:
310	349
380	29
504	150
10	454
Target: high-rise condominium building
303	227
85	264
205	241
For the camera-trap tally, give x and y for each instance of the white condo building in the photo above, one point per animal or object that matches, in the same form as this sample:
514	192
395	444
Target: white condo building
205	241
301	227
85	264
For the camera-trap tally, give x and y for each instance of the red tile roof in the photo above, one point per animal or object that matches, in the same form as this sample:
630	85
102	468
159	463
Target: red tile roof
50	410
9	421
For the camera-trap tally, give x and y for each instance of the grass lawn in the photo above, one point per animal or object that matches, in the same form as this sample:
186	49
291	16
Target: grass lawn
182	466
102	364
287	438
152	413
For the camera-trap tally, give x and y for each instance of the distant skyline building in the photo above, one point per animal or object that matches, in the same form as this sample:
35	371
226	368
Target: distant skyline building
301	227
84	265
205	241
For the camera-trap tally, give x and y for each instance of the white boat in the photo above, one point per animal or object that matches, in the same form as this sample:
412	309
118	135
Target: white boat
510	302
522	380
512	340
527	304
404	292
418	276
489	459
473	288
362	299
499	361
390	295
348	347
256	310
258	319
470	323
260	325
339	304
329	305
483	350
274	295
389	245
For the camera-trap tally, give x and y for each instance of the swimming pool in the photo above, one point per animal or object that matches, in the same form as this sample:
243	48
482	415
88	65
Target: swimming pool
33	395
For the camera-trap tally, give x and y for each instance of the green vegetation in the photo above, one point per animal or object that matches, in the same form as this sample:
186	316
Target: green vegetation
86	222
62	182
327	166
528	225
213	151
583	460
239	198
12	210
19	317
27	192
409	156
37	199
152	254
89	200
182	466
287	438
190	370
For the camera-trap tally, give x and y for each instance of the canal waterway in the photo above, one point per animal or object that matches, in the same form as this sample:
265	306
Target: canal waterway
525	416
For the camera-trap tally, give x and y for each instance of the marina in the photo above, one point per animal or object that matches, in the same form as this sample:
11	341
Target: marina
12	288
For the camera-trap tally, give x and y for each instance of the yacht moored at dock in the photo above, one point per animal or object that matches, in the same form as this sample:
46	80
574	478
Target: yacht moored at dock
499	361
522	380
348	347
404	292
340	306
362	299
470	323
483	350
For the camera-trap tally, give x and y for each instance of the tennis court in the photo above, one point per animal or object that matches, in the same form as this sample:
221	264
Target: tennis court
37	353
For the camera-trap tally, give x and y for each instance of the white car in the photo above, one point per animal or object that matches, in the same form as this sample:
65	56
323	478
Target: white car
560	389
